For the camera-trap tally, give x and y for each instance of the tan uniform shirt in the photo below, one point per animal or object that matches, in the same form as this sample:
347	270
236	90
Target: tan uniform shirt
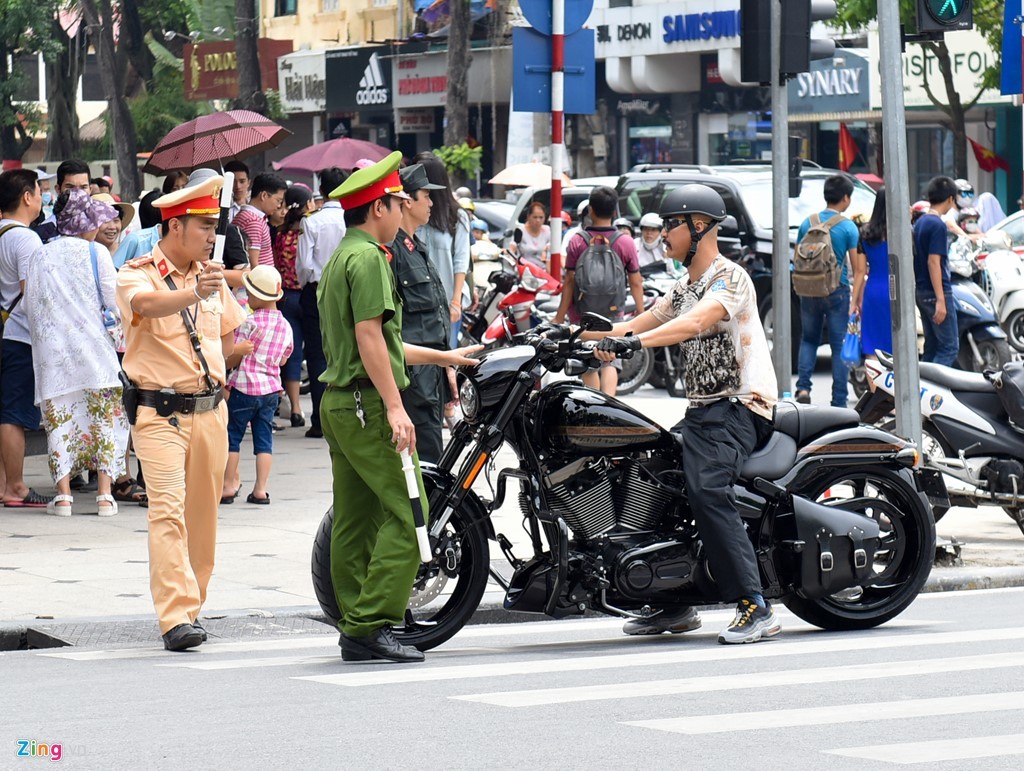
158	353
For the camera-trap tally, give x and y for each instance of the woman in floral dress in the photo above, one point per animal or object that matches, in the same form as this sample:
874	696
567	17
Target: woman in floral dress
74	352
298	203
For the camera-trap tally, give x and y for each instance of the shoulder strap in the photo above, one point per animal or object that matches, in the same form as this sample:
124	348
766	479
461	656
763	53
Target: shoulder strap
96	271
833	220
12	226
197	345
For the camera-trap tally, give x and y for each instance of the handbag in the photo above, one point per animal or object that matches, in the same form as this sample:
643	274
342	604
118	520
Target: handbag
851	354
111	321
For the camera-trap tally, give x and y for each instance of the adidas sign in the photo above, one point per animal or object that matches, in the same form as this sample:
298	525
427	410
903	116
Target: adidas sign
371	87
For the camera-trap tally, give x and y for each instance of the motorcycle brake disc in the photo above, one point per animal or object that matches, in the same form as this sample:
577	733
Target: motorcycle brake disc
428	589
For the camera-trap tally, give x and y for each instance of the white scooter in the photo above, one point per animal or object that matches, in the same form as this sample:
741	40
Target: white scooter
1002	278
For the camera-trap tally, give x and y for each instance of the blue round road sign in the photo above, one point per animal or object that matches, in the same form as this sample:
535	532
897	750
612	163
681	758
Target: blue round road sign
538	13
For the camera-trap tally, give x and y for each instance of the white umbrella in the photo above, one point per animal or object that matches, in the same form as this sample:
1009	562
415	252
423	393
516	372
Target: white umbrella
527	175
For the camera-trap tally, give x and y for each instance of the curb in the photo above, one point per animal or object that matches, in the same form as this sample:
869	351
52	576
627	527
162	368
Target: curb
21	635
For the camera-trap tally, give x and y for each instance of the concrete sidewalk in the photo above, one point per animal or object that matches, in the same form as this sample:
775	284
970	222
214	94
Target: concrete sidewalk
85	567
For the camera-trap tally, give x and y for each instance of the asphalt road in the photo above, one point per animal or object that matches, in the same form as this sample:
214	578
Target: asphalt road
939	687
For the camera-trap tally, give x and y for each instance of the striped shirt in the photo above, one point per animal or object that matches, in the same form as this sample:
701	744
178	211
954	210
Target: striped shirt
253	223
259	373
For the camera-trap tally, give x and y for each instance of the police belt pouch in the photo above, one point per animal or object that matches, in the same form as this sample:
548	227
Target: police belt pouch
129	397
838	547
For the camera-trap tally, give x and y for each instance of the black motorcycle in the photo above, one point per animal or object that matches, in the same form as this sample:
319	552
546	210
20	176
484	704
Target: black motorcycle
838	516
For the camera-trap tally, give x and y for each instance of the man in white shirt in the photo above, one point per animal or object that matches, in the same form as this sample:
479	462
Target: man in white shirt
240	191
20	203
319	236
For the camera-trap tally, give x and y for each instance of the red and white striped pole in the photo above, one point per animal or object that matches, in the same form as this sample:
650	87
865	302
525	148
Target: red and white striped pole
557	131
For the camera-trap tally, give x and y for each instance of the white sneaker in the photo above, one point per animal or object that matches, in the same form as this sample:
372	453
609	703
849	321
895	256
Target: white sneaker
752	623
675	622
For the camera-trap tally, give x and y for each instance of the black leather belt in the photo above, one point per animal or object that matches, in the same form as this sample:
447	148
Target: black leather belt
168	402
359	384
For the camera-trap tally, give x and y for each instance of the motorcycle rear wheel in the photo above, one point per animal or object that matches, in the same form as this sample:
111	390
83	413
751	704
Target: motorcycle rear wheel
931	445
635	371
1014	327
428	623
902	562
994	354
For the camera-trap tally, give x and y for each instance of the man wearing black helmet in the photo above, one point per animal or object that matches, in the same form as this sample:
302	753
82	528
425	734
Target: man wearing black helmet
711	313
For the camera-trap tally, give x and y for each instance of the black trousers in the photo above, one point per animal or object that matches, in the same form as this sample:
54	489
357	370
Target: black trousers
717	439
313	347
424	403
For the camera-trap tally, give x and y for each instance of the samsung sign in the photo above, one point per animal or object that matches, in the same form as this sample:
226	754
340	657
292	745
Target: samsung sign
701	26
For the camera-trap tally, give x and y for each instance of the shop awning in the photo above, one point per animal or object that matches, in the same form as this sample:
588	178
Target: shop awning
823	117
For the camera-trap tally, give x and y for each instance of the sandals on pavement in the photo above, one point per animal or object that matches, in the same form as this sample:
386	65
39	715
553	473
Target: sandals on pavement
260	501
129	491
31	501
54	506
106	506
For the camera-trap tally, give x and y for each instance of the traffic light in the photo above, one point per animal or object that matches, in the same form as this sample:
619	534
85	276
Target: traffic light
798	48
944	15
756	41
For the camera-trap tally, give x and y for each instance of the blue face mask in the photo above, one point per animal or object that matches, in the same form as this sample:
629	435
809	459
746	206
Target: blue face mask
47	198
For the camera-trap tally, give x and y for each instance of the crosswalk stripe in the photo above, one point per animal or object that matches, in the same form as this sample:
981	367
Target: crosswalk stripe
288	643
873	671
843	713
679	655
938	750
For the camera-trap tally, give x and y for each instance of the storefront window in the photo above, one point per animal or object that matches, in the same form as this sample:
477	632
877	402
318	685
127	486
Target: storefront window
930	150
650	144
749	138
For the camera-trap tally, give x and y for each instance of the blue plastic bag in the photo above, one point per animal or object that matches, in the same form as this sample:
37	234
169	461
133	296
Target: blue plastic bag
851	354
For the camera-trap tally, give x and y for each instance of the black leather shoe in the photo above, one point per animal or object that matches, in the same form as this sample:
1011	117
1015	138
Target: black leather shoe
314	433
182	637
379	645
199	628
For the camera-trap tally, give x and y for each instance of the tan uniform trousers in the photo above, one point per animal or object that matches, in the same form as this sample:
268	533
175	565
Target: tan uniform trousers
184	470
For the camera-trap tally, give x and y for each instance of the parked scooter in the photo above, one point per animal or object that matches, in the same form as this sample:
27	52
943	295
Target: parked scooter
983	343
967	433
1002	278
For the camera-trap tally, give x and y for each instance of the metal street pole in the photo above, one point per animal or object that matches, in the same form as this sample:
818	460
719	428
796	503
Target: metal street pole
781	307
557	129
897	205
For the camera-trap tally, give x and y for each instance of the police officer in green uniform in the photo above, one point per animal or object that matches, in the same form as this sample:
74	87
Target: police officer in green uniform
374	556
426	319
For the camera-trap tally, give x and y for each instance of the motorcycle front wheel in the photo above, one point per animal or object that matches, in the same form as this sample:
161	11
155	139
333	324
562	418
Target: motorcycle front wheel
994	354
902	561
445	593
1014	327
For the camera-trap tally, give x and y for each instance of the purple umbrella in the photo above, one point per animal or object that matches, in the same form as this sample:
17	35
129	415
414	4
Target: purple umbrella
210	140
343	153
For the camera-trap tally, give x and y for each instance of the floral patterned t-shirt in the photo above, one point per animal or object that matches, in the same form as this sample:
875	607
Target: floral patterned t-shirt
731	359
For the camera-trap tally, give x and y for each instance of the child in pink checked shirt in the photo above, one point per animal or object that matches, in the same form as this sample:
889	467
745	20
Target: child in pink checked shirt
262	344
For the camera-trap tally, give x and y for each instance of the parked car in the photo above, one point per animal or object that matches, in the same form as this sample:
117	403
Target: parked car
571	198
747	191
1013	226
498	216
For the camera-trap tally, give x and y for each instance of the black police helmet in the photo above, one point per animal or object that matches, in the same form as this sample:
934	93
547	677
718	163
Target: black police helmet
693	199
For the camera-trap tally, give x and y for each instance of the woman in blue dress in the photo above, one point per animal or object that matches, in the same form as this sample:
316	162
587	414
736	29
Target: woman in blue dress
876	313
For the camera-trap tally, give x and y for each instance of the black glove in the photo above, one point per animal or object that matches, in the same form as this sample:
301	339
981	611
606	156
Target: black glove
620	345
552	331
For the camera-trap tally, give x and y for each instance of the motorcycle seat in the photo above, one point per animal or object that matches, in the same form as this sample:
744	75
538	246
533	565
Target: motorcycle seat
548	306
772	461
805	421
955	379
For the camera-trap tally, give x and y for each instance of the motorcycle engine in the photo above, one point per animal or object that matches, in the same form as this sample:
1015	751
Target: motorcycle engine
598	495
660	567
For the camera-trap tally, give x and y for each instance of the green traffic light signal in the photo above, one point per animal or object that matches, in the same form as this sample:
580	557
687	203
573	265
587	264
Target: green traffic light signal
944	15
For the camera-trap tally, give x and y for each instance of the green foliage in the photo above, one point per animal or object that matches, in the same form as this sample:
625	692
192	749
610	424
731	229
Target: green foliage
162	107
461	160
24	28
275	107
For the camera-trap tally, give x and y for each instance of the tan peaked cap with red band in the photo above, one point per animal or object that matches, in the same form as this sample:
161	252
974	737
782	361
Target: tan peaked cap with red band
199	198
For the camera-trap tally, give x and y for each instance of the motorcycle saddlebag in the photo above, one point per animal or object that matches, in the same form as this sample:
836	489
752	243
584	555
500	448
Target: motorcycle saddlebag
1009	385
839	547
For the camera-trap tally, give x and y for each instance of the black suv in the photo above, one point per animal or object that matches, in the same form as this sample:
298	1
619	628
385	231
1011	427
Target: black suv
747	190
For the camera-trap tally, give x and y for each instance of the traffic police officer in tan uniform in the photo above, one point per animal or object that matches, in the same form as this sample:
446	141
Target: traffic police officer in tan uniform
180	428
426	319
374	556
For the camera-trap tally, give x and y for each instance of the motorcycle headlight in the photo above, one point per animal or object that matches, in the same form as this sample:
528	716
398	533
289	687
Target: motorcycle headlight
531	281
469	400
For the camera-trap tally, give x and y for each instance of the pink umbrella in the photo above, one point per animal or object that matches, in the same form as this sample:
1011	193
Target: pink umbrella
210	140
344	153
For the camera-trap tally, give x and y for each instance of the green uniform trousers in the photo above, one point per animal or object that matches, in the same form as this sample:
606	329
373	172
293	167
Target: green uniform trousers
424	403
374	556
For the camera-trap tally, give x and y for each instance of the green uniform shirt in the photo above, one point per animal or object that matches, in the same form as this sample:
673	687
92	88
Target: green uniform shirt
425	316
357	284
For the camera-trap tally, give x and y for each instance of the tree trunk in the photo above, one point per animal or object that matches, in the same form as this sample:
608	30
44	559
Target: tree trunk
133	55
122	125
457	104
14	141
250	87
954	108
62	77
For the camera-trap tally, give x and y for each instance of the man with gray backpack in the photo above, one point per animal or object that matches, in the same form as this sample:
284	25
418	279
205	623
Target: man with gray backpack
826	246
599	262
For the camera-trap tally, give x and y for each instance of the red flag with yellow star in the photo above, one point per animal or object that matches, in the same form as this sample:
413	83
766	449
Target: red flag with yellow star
987	159
847	148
